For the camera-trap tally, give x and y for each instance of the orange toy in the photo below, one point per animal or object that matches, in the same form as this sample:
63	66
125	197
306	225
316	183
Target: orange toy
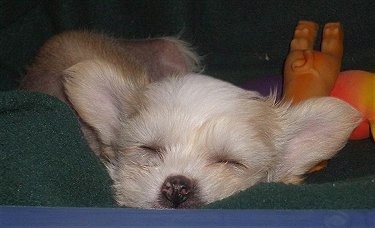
309	73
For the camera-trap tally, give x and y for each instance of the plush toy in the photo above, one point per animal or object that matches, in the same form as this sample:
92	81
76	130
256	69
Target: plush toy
358	89
309	73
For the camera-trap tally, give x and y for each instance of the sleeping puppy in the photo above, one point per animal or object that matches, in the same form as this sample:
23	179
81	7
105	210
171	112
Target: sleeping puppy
172	138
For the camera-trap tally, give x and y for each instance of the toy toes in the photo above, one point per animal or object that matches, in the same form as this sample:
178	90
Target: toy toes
332	42
304	36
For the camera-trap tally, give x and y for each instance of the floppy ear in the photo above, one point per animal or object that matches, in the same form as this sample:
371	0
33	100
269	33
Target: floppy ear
101	95
163	56
312	131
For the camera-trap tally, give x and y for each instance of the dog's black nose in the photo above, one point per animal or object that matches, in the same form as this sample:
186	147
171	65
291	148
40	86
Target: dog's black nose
177	189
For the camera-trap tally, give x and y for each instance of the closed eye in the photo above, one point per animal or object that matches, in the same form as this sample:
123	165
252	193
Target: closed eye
152	149
231	162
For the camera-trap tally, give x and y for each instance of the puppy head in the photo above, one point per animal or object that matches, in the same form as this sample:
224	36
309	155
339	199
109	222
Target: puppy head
186	141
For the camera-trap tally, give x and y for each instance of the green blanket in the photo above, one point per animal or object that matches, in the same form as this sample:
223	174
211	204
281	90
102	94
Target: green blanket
44	160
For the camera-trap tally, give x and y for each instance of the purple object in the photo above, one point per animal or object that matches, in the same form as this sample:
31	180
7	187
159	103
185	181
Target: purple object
264	85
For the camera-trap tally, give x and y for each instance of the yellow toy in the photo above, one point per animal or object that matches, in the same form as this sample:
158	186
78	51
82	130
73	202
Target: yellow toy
358	89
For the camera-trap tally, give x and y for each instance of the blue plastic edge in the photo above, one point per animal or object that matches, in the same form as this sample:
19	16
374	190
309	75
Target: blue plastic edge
17	216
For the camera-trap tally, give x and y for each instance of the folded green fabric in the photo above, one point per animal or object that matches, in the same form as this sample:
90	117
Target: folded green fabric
44	159
350	194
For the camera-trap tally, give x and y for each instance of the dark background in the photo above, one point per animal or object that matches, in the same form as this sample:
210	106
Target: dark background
239	40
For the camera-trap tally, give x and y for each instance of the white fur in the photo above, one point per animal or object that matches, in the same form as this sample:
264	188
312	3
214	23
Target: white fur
148	125
198	121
